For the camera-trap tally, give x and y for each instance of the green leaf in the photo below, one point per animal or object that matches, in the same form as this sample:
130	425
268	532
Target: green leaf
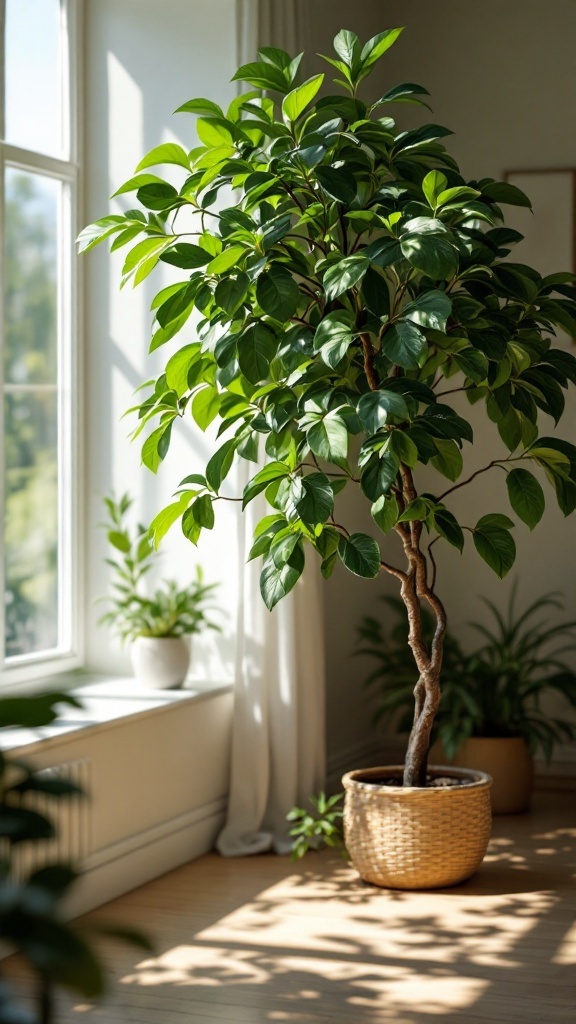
166	518
431	309
448	527
431	254
256	349
167	153
417	509
375	408
187	256
347	46
406	92
405	345
334	336
190	528
206	406
227	259
434	183
178	367
296	101
526	496
142	259
379	474
155	447
32	711
231	291
496	546
460	192
259	482
344	275
383	252
503	192
120	541
278	294
277	581
404	448
95	233
314	498
133	184
339	183
262	76
495	519
202	107
385	512
328	438
204	511
448	461
376	293
219	465
472	363
360	554
377	46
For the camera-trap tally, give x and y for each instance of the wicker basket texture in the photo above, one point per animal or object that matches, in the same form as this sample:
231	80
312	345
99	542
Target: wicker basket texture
416	838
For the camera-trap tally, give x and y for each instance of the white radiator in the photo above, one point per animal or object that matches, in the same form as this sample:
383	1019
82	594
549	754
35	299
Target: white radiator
70	815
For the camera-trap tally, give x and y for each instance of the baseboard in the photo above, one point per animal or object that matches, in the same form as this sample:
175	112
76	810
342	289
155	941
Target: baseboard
115	870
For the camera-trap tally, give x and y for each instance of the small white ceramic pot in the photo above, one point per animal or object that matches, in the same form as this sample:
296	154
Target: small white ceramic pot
161	662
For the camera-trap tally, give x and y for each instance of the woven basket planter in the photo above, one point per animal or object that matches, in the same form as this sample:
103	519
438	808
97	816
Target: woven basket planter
416	838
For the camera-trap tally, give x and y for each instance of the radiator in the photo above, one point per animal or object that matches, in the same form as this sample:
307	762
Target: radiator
71	817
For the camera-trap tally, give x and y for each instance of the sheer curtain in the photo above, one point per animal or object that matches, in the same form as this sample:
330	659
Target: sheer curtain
278	737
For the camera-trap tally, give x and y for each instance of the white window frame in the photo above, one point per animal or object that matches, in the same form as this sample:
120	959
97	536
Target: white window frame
26	671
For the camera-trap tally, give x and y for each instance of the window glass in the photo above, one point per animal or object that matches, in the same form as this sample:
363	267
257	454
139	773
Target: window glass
33	114
32	203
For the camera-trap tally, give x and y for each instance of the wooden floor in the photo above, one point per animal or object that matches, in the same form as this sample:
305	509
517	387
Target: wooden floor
259	940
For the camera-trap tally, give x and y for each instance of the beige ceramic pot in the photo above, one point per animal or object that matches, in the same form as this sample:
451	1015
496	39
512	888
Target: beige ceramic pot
160	662
416	838
509	762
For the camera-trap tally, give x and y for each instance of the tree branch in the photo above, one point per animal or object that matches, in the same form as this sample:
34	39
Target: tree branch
495	462
369	362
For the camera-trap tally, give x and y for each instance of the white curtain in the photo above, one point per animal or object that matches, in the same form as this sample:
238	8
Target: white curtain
278	740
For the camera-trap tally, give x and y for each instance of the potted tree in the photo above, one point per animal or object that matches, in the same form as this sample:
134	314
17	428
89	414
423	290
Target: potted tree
351	288
159	626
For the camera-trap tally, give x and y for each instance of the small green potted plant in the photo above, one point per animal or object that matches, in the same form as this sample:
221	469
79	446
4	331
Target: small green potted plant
159	626
491	713
354	286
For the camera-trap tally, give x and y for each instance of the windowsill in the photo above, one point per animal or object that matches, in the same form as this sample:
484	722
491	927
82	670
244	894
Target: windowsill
106	702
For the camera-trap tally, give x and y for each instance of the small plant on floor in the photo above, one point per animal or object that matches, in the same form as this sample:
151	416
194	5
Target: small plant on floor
494	691
356	284
31	922
321	826
171	611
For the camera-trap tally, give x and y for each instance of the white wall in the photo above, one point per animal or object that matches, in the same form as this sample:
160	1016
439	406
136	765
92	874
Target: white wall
502	77
144	59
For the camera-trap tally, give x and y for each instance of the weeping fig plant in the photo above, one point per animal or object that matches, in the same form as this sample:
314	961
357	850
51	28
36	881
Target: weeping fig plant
347	283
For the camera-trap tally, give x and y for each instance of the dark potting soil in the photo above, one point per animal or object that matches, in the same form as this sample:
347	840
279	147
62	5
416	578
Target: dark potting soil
440	782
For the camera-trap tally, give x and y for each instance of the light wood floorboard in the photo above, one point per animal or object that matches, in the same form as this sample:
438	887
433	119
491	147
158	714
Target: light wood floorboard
260	940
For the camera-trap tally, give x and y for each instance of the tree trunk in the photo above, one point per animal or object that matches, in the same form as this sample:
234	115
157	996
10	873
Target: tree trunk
416	762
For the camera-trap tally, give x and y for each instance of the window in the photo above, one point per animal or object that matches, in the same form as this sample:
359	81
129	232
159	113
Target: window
38	223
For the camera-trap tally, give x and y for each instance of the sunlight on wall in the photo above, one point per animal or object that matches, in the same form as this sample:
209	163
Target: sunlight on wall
142	63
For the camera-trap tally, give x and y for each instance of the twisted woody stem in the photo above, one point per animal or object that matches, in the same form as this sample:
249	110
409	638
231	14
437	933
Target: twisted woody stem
415	588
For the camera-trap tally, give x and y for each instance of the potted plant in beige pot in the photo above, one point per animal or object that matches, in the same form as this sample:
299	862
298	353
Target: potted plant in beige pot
349	292
160	625
493	712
